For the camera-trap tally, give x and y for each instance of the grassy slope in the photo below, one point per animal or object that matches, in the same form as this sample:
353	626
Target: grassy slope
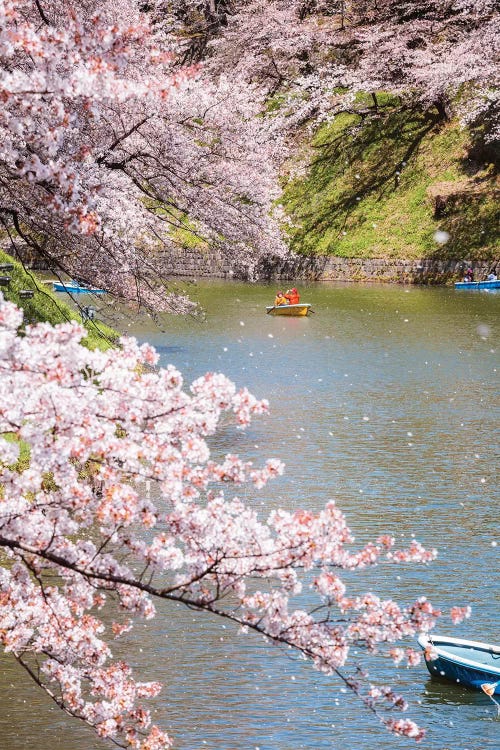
45	306
370	185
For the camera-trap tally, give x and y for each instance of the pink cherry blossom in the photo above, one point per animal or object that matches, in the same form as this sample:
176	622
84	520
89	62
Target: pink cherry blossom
458	614
405	727
77	526
318	55
110	153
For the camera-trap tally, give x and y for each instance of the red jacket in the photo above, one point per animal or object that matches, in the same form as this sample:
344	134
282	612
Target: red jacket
293	298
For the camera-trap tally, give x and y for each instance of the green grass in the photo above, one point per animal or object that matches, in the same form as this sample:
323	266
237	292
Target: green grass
182	229
45	306
23	461
370	185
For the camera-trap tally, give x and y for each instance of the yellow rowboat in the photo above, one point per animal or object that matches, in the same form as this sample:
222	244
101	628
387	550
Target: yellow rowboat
290	310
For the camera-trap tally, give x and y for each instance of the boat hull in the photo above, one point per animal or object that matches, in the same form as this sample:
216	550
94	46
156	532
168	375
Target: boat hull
75	289
289	310
468	663
477	284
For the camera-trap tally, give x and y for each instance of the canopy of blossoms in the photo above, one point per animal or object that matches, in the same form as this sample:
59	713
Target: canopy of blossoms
317	54
110	154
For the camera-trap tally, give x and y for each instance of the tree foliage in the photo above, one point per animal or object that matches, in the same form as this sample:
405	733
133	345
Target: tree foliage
107	147
125	124
316	50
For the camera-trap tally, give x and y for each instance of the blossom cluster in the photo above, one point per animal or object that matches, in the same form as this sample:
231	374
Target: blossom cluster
110	153
318	55
77	525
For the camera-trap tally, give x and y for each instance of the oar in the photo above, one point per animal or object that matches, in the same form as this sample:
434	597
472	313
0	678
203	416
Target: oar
489	688
270	310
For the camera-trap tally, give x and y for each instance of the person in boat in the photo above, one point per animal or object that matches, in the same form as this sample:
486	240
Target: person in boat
492	276
280	299
292	296
469	275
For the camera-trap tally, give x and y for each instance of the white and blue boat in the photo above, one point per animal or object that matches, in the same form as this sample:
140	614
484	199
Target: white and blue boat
478	284
468	663
75	287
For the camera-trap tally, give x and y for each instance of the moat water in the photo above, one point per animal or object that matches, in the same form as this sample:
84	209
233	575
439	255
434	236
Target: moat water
386	400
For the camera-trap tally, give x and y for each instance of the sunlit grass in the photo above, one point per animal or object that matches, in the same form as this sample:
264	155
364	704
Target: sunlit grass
23	460
370	184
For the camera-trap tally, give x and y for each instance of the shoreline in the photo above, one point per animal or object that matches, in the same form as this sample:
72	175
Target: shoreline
194	264
433	271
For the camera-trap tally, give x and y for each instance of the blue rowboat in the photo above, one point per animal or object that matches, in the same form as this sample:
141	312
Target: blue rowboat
73	287
477	284
468	663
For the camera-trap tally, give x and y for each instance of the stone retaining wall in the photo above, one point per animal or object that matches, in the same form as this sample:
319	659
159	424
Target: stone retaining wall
428	271
197	264
193	264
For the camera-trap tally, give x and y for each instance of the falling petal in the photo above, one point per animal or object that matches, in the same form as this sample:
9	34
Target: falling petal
441	237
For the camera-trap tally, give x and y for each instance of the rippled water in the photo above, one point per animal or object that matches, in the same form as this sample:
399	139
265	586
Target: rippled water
385	399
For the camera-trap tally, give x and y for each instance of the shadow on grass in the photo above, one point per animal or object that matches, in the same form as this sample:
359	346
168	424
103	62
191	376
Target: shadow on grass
358	157
368	190
472	219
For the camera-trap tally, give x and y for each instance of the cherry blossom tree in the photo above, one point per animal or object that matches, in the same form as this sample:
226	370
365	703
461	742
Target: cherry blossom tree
80	534
311	50
125	125
109	153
